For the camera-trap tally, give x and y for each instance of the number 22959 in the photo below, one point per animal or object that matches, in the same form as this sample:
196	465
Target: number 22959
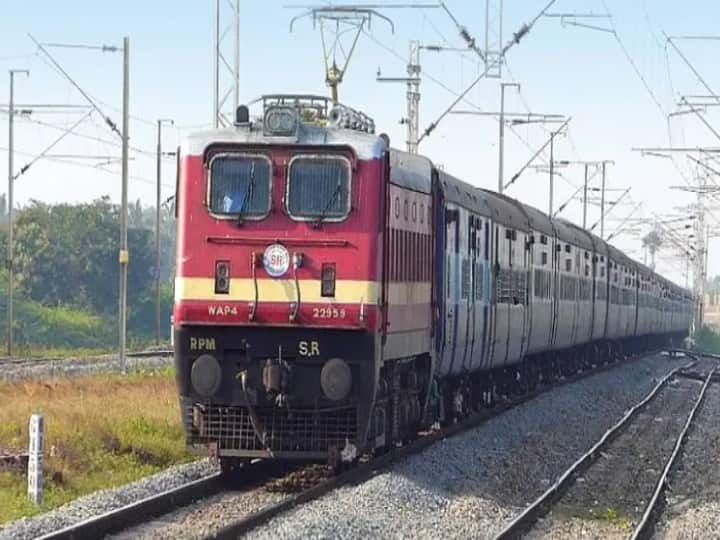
328	313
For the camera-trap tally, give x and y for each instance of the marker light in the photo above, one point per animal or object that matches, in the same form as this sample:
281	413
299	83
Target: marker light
222	277
327	279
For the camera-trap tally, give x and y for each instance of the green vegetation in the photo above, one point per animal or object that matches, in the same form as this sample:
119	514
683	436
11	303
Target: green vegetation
708	340
613	517
101	431
66	275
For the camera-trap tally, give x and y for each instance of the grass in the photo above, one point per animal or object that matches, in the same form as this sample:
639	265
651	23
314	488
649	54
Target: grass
101	431
27	351
613	517
606	516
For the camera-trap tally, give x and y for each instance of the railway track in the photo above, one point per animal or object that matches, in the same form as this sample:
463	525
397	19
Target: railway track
292	488
560	498
145	510
19	362
38	368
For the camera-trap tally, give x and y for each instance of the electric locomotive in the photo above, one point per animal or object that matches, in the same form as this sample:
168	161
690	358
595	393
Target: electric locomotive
279	303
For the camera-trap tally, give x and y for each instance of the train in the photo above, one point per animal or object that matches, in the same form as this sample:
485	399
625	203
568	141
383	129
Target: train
334	295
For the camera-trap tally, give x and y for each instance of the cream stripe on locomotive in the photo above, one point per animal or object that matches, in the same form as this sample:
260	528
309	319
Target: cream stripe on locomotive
278	290
283	290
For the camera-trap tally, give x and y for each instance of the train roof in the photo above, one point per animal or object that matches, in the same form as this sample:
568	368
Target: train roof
483	202
410	171
365	145
569	232
536	220
462	194
512	213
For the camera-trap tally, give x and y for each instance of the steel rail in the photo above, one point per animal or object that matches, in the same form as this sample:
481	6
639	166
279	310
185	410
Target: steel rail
695	354
140	512
524	522
366	470
137	354
646	525
137	512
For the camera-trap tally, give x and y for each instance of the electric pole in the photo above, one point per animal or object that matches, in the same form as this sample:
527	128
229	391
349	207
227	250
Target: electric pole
158	195
552	171
602	204
602	198
412	120
585	198
220	95
501	141
124	254
413	97
10	203
493	53
596	165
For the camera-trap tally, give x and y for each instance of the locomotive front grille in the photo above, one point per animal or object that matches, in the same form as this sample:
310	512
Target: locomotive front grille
284	431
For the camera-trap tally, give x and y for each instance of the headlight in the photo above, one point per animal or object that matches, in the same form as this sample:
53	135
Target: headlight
336	379
206	375
280	121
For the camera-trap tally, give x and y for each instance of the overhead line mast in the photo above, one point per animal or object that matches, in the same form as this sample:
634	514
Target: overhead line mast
222	68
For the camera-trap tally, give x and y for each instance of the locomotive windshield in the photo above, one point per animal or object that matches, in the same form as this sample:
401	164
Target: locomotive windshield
240	185
319	188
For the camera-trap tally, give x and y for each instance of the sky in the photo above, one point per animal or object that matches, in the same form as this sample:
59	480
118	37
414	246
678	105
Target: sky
617	88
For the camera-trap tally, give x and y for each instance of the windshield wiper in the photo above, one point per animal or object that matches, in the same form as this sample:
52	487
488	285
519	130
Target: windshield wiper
249	190
329	204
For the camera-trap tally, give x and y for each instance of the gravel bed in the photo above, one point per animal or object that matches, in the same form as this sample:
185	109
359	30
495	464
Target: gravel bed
471	485
610	497
203	518
105	500
248	493
693	507
73	367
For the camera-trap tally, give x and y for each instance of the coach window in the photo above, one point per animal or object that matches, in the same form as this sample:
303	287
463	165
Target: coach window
239	185
318	188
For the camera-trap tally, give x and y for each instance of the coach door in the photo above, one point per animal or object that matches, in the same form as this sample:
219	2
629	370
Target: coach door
452	287
517	281
477	307
555	280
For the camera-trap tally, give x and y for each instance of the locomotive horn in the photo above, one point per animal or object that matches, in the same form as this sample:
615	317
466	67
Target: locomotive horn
337	116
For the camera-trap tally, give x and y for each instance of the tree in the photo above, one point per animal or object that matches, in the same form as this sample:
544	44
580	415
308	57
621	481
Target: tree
67	255
66	259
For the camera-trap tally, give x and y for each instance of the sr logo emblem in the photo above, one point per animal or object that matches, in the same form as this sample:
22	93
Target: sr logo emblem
309	348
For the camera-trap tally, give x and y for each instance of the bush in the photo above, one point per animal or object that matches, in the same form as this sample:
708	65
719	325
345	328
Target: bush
708	340
45	327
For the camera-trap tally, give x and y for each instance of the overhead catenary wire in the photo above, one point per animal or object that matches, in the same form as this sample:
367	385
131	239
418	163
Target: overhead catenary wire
87	166
444	86
146	153
644	82
524	29
52	145
691	67
72	81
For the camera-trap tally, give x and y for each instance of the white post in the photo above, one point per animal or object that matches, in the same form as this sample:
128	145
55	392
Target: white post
35	458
